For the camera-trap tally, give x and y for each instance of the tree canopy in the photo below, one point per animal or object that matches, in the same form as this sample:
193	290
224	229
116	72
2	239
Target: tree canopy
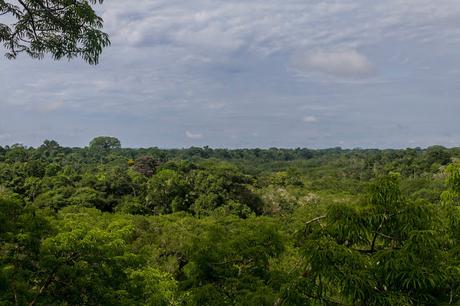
105	225
105	143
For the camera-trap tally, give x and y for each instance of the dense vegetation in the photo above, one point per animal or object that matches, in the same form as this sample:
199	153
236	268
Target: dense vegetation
104	225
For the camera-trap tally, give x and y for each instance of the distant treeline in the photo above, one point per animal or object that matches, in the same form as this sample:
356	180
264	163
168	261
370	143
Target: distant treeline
101	146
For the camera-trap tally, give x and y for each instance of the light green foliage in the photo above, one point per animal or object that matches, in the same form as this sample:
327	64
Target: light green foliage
211	257
166	193
21	232
386	252
278	201
84	259
54	199
153	287
451	222
452	195
88	197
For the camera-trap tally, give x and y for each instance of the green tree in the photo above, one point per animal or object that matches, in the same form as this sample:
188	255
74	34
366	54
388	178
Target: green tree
104	143
2	153
58	27
88	197
437	154
17	153
81	257
49	149
387	251
21	233
229	262
452	195
451	221
222	185
167	192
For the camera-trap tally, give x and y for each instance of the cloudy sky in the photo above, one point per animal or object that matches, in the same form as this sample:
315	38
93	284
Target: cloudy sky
259	73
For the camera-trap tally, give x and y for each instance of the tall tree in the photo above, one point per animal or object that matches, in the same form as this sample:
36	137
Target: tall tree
105	143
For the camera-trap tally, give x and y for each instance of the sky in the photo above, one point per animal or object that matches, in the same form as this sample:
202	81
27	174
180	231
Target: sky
259	73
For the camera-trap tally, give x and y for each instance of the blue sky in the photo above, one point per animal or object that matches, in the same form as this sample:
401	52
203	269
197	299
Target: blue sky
259	73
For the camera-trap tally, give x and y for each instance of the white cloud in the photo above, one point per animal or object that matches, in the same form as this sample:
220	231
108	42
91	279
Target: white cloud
310	119
342	63
268	26
192	135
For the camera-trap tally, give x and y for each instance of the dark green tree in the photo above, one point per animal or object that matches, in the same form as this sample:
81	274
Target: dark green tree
21	233
61	28
104	143
230	261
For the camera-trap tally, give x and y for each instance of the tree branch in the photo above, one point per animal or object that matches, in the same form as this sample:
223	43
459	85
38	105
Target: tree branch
31	16
316	219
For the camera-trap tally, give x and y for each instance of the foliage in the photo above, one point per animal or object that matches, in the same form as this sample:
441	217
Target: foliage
146	165
105	225
58	27
104	143
386	251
